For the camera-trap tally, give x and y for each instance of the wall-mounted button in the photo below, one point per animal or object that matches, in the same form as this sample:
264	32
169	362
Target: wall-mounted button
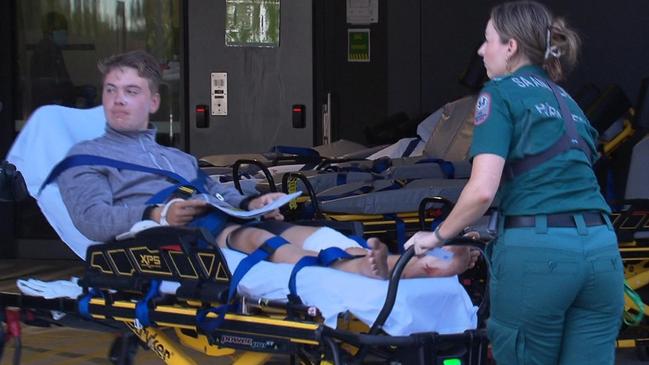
298	111
202	116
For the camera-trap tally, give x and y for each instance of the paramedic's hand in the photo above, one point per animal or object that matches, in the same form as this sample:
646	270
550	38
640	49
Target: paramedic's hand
423	242
263	201
182	212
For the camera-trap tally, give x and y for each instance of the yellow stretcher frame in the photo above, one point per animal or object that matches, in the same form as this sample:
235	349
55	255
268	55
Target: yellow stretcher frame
251	335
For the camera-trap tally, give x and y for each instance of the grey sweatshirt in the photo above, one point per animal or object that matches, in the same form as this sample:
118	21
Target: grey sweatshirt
104	202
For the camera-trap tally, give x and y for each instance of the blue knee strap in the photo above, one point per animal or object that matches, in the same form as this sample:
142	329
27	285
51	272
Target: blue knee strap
262	253
325	258
400	229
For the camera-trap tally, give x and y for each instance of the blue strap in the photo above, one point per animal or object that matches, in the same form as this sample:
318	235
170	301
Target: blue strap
263	252
447	167
83	303
299	265
163	195
325	258
381	164
436	222
201	178
400	229
312	155
360	240
411	147
299	151
82	160
214	221
332	254
142	307
341	178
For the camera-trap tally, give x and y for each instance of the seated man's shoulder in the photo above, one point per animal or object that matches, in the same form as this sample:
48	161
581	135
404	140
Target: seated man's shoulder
89	147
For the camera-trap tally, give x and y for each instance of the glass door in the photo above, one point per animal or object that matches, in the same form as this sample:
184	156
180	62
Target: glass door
57	46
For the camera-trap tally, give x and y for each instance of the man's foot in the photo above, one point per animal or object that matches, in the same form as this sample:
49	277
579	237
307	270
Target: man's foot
378	258
373	264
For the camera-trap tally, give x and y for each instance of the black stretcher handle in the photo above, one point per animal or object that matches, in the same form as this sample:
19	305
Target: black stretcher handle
444	204
236	177
309	190
400	265
393	285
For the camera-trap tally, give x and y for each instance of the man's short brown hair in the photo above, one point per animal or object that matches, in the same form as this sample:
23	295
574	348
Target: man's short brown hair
146	65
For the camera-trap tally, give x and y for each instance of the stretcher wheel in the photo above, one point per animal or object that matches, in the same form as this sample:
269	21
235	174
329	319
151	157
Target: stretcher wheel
123	349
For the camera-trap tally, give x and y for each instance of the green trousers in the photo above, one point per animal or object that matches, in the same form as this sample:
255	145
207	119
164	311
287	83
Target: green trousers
557	295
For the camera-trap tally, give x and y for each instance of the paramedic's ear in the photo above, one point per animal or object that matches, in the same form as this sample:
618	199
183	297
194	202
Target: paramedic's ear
155	103
512	46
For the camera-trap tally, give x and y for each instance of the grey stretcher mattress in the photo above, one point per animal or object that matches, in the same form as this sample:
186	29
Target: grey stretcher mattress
381	201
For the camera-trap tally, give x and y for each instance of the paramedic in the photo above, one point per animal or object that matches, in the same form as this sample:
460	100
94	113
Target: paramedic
557	283
105	201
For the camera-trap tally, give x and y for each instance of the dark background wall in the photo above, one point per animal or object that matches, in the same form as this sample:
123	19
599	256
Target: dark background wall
615	47
7	67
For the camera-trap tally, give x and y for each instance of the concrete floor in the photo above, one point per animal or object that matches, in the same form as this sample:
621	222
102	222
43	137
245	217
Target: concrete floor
68	346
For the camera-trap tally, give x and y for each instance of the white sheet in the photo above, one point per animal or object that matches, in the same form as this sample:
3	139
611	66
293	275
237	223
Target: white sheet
422	305
42	143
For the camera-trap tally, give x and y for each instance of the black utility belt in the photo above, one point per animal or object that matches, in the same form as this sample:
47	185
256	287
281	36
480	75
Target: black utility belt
555	220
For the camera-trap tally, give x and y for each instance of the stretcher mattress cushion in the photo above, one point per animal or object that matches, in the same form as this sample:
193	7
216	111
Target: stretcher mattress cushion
422	304
44	141
343	199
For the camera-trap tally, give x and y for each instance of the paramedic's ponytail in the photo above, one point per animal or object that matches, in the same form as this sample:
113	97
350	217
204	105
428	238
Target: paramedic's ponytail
545	40
562	49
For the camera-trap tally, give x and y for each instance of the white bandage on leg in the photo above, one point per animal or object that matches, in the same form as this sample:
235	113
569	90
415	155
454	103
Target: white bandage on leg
326	237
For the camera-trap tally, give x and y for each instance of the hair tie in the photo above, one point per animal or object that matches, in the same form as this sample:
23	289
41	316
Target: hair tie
550	50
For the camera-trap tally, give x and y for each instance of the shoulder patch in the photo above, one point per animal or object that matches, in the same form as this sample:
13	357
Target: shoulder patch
482	108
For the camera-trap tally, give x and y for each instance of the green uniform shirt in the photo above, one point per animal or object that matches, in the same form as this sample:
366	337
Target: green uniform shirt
518	115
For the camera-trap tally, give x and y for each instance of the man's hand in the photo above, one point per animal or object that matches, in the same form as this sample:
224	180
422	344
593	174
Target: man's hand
181	212
263	201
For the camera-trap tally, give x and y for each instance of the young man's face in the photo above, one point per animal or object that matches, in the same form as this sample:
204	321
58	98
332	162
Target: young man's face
128	100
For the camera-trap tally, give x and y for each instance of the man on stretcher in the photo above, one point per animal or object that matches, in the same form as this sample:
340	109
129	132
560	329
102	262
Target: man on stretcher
105	200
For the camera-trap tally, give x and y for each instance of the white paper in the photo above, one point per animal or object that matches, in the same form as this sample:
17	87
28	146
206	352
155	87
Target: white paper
240	213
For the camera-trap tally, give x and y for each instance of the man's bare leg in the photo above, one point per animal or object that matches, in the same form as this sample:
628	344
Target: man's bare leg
249	239
373	264
429	266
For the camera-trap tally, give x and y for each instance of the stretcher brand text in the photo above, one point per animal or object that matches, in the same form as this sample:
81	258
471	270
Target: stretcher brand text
150	261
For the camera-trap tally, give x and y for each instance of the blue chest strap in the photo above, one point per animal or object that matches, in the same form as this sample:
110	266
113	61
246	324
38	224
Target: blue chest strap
262	253
213	221
85	160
